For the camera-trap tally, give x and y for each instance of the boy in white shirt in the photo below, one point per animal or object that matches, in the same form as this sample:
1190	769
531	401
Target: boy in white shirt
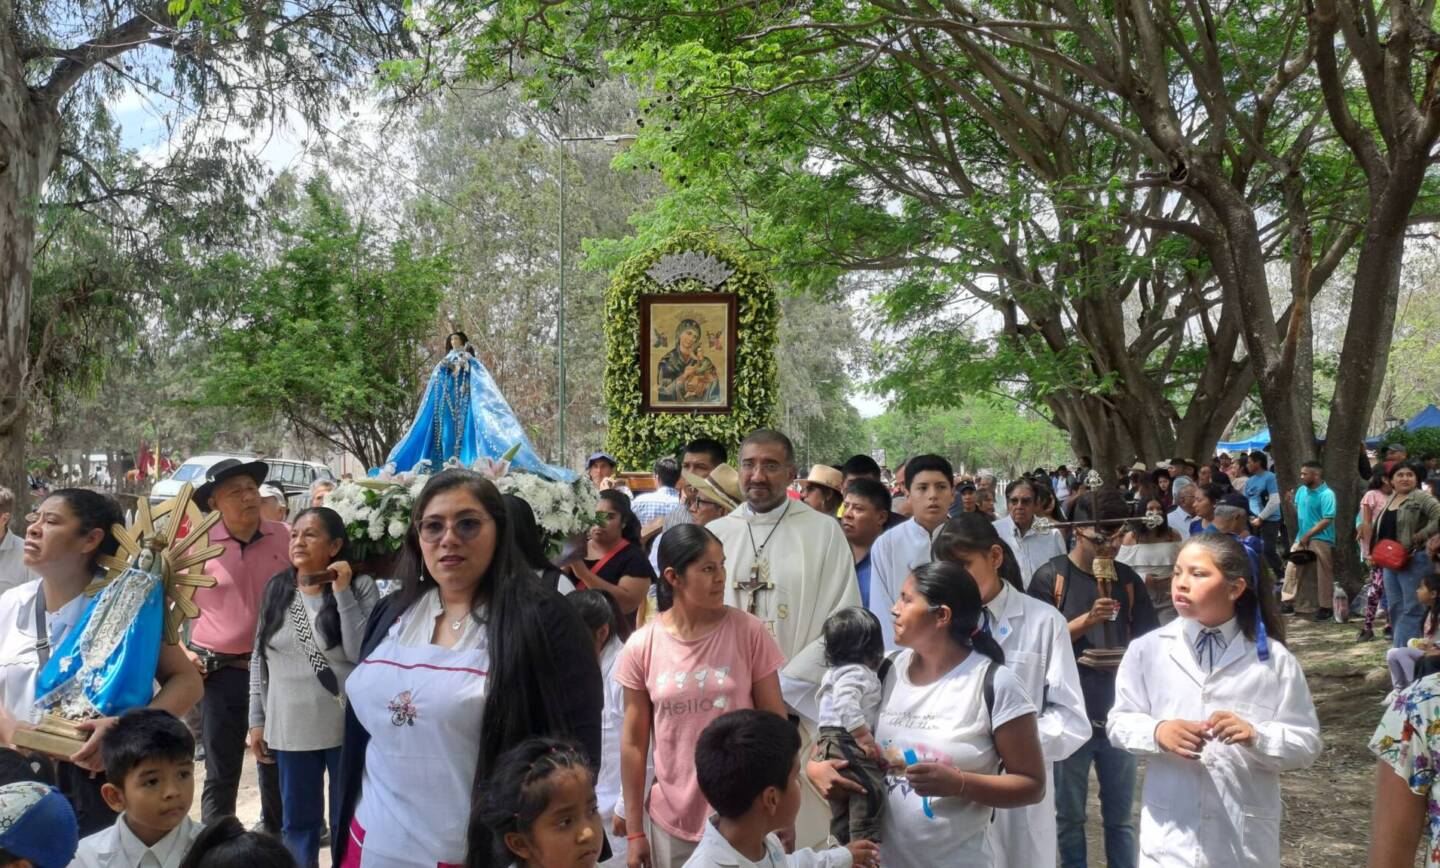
748	766
150	771
849	707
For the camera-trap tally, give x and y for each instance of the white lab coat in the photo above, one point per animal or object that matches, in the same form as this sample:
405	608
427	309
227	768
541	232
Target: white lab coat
1223	810
1037	649
893	557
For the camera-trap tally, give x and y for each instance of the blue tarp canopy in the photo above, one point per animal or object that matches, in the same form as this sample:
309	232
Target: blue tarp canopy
1427	418
1259	440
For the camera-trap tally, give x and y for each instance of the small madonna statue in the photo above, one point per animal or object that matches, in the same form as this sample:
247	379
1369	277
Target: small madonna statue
458	351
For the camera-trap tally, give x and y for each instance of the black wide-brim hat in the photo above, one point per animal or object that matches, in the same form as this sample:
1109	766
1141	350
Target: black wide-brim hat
228	468
1300	557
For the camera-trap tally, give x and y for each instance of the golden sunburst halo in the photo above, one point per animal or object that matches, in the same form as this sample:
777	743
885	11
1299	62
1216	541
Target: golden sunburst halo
156	528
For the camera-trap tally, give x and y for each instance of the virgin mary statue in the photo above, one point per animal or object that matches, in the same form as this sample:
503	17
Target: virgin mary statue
464	418
105	666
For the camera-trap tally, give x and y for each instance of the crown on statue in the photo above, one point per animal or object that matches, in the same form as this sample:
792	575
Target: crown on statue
674	267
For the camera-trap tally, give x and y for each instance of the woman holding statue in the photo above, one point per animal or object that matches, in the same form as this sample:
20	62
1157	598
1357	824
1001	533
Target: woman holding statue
67	535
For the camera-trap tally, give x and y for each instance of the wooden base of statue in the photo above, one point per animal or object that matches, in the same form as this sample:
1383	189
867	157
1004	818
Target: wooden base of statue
1104	659
55	735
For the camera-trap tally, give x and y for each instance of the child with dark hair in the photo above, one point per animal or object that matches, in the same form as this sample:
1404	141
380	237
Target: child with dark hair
226	844
1403	661
849	705
1220	709
149	759
540	807
748	763
601	616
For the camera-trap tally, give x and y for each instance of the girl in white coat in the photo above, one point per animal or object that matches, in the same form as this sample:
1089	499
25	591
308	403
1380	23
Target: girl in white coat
1037	650
1220	707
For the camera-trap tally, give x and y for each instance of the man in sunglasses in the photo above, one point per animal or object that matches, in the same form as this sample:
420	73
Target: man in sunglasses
1069	583
1032	547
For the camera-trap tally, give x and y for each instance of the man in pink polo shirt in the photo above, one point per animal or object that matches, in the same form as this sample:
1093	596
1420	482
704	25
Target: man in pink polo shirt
221	639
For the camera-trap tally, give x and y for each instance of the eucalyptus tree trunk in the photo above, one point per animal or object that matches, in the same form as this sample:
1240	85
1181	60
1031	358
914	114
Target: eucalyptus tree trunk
29	142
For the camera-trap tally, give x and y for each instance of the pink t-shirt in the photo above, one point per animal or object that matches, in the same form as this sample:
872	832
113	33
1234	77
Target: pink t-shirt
229	610
691	684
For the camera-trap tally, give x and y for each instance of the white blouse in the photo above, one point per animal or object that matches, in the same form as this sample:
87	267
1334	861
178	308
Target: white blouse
19	658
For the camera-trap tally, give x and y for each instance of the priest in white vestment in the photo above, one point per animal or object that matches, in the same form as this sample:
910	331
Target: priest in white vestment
930	486
791	567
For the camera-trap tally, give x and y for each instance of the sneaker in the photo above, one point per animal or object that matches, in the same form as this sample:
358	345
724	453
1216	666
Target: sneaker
1287	608
1365	635
1324	615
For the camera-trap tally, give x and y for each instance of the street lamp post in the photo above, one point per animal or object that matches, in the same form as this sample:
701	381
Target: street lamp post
621	140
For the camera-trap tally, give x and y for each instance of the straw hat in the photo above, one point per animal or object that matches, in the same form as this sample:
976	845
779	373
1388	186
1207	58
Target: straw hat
824	474
722	487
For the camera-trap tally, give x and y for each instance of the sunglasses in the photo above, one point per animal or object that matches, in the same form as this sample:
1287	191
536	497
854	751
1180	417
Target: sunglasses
1022	501
1101	539
432	530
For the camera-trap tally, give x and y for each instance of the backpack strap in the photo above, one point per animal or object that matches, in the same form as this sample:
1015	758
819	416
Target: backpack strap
988	690
1059	588
883	672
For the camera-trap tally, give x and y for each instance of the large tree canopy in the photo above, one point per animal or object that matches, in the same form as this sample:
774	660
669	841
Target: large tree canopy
215	70
1221	159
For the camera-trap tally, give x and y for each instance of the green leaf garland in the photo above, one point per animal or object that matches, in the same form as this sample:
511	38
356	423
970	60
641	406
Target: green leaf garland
637	438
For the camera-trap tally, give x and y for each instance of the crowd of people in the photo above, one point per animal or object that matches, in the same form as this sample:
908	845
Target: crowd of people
739	666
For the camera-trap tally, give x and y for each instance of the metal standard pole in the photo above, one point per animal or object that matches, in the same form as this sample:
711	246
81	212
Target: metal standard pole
560	320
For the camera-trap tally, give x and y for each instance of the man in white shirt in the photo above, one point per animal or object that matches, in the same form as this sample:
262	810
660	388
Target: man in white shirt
930	487
700	458
1184	511
655	504
1033	548
13	571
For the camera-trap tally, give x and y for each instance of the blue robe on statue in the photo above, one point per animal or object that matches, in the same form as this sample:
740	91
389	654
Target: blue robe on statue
464	417
105	666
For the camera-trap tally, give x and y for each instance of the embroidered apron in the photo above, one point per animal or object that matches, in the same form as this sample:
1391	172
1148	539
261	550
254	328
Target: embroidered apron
422	707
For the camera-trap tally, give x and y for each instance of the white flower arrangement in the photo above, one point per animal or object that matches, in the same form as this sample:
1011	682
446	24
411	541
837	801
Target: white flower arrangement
376	511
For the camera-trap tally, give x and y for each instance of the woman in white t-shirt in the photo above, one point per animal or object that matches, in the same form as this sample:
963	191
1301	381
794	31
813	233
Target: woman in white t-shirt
957	727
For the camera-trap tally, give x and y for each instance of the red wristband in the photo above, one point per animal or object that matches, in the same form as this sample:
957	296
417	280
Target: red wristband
633	837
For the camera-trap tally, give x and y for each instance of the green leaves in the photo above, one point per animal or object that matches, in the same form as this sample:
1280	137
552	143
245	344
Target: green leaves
333	335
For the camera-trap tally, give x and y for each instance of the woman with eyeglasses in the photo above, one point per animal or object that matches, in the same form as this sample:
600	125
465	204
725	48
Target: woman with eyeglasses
472	656
614	561
64	540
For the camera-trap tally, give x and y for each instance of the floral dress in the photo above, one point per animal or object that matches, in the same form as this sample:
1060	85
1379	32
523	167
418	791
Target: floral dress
1408	740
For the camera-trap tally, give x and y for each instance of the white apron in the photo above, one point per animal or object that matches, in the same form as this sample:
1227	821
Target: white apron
422	707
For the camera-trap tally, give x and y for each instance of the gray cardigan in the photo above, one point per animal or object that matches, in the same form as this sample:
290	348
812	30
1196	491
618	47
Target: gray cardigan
286	698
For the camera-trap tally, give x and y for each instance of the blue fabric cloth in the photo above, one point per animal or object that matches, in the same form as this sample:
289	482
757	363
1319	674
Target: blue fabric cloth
37	824
862	573
1258	489
114	682
1312	507
1116	770
309	779
464	416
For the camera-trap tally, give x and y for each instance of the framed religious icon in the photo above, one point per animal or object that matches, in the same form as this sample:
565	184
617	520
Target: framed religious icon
687	352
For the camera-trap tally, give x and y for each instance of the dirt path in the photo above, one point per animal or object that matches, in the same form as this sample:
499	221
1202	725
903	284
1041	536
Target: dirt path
1327	807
